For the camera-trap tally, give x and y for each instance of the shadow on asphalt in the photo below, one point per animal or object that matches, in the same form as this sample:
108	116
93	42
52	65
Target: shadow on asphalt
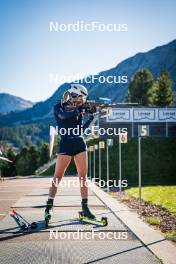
41	227
126	251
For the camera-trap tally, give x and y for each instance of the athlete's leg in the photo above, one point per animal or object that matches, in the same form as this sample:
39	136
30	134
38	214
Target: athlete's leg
62	163
81	166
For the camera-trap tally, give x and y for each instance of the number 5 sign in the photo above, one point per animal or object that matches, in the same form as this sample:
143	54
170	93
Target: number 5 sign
143	131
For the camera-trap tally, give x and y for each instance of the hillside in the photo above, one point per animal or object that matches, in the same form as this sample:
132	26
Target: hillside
13	103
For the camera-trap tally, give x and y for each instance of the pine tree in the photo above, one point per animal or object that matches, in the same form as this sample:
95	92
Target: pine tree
22	162
8	169
139	86
44	154
161	94
33	159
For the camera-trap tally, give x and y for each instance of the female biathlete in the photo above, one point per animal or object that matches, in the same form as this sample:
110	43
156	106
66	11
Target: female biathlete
71	145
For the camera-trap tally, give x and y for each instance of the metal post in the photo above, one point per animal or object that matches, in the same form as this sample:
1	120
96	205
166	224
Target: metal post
120	167
98	117
166	128
94	163
139	179
132	128
99	164
107	167
90	175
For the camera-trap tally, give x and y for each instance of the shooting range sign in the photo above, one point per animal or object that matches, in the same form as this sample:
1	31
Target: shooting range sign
101	144
91	148
119	115
96	147
123	138
110	142
140	115
144	115
143	130
167	115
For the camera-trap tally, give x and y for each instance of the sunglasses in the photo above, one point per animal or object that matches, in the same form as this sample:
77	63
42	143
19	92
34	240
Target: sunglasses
74	95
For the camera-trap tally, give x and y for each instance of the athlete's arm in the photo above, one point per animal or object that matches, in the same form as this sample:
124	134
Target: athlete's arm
62	114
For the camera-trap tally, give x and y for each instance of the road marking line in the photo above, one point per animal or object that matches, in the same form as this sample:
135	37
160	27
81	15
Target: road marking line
9	199
10	186
12	191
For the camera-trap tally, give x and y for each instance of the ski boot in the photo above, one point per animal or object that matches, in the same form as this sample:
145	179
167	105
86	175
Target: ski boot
87	217
49	206
87	213
90	220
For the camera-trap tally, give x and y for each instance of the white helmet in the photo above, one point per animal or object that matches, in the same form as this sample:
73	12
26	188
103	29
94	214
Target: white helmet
76	90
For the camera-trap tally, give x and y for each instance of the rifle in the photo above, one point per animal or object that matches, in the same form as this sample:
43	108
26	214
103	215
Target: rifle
91	106
101	105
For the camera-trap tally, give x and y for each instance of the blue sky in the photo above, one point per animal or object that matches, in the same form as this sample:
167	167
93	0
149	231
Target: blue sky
29	52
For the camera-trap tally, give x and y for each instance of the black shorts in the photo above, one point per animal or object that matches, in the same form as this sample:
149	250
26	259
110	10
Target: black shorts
71	146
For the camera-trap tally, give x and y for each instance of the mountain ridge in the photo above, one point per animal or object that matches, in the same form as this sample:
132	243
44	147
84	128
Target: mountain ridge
9	102
156	59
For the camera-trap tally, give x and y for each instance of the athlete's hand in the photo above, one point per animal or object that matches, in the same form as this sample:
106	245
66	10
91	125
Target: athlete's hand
92	109
91	117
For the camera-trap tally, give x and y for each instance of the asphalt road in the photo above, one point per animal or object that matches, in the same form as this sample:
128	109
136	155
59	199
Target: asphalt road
66	240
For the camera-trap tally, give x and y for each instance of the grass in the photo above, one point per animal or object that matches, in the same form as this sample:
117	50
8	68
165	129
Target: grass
171	235
164	196
152	220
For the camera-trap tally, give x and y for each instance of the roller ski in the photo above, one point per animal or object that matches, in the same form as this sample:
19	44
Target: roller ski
48	212
87	217
22	223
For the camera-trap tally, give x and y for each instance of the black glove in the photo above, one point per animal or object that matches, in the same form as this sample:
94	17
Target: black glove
91	117
92	109
89	109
